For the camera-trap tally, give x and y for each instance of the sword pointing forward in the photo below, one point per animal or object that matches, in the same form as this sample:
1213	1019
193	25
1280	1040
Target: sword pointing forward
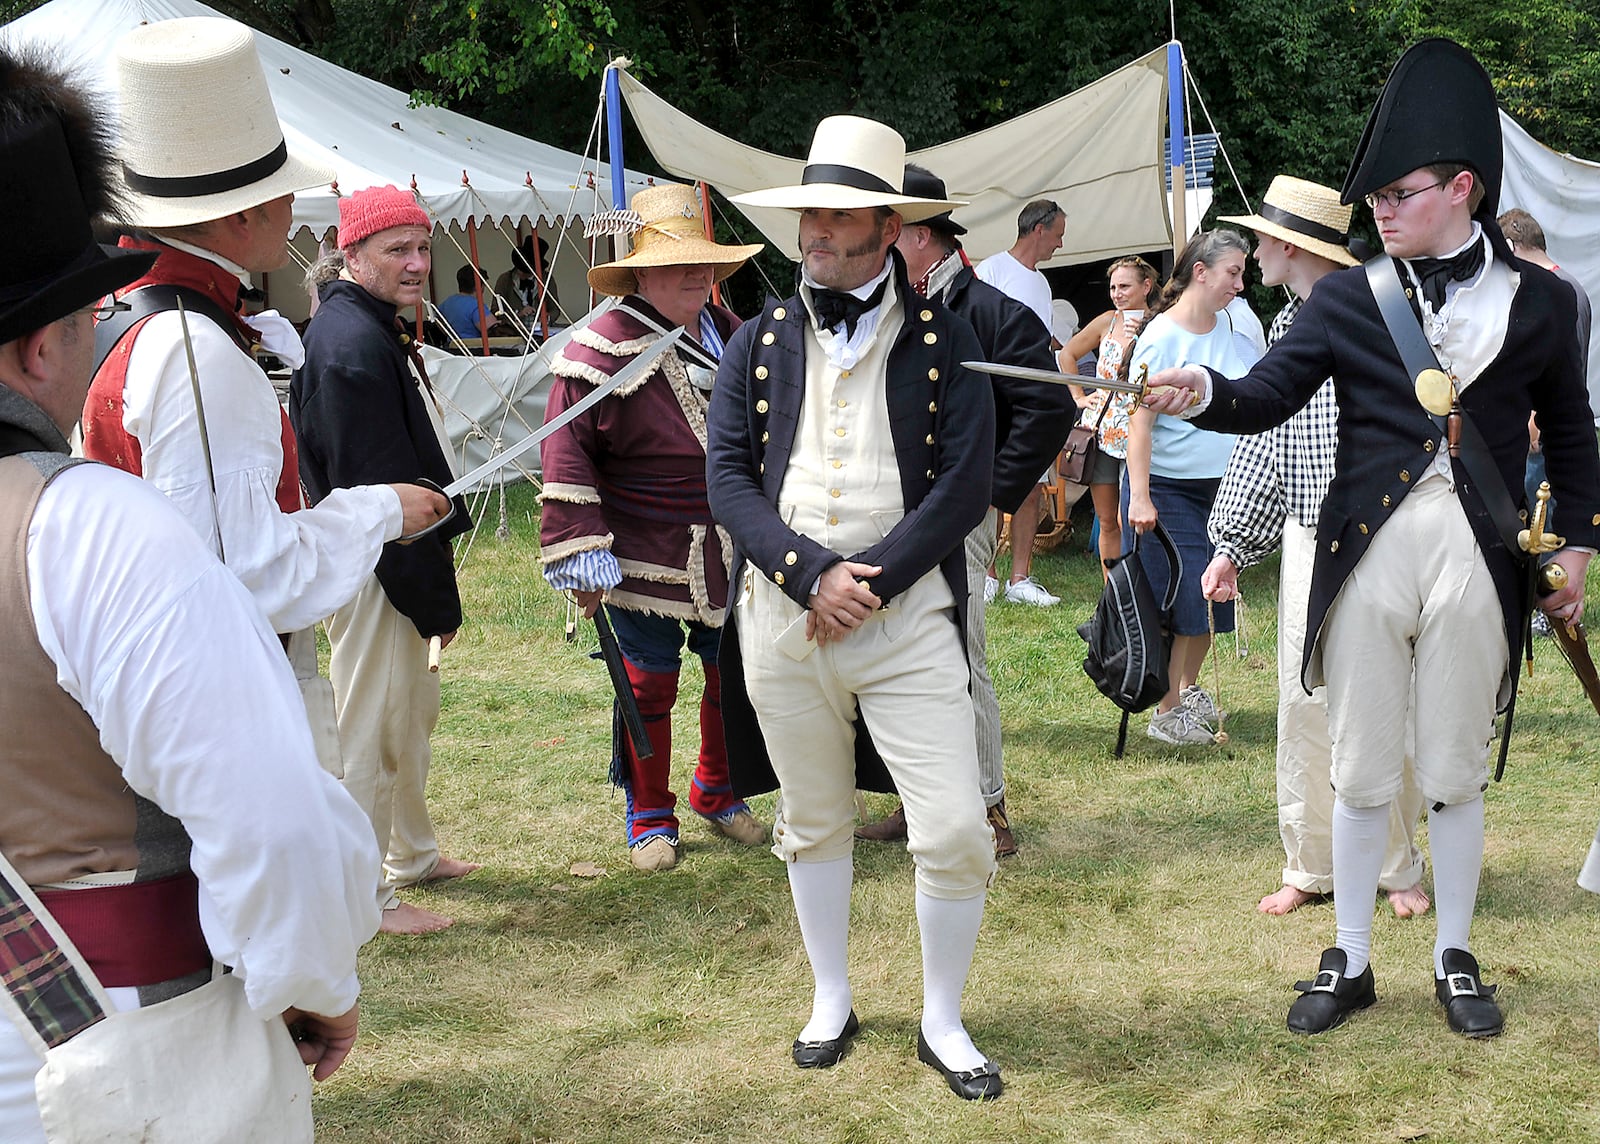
640	366
1141	388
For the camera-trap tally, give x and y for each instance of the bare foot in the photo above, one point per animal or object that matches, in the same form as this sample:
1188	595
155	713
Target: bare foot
451	868
1409	903
1286	900
409	919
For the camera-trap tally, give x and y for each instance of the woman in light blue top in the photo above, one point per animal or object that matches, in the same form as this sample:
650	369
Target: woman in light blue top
1174	469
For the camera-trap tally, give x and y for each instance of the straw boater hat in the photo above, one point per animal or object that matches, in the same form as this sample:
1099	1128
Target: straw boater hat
55	180
200	138
1305	214
671	231
854	163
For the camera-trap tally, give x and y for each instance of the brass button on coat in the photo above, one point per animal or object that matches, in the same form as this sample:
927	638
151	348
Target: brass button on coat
768	338
1385	500
761	406
933	375
930	337
834	493
1334	547
765	437
926	315
791	558
761	373
777	578
1362	529
933	407
1405	474
1427	446
780	314
930	438
930	474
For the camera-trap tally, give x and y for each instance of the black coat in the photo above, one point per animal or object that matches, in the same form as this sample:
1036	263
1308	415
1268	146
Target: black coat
1387	440
1031	418
359	420
942	420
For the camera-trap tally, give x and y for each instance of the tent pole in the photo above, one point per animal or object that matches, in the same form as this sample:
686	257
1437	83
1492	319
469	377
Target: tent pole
477	285
613	94
544	284
705	217
1180	190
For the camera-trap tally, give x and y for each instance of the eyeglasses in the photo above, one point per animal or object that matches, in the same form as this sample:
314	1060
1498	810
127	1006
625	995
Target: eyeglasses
1393	199
104	309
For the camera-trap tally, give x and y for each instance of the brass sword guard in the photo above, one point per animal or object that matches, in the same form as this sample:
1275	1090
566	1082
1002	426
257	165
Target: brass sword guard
1145	387
1534	539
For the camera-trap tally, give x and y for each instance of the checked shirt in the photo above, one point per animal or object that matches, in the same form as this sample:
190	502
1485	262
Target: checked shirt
1277	474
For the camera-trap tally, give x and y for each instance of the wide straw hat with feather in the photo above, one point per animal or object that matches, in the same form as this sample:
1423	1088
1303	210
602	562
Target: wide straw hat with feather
668	229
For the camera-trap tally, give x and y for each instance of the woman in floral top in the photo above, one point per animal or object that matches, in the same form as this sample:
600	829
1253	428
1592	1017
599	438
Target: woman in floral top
1133	281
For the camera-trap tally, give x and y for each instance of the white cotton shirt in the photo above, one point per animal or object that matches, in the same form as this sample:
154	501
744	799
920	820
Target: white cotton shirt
299	567
196	703
1010	277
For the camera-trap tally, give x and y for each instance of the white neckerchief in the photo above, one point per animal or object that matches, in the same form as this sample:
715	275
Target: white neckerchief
843	353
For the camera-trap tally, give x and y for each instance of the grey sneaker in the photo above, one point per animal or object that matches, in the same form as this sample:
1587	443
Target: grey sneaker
1030	591
1198	700
1180	726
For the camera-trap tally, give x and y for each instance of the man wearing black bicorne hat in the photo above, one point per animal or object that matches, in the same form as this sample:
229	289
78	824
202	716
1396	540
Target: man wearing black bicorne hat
162	793
1419	571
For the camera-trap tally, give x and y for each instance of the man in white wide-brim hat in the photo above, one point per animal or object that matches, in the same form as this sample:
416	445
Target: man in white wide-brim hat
625	515
849	456
1272	492
210	184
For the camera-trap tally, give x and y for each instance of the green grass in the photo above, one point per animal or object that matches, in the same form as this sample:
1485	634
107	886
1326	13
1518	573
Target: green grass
1124	979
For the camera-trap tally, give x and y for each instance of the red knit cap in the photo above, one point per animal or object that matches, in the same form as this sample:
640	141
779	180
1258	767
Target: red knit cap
367	212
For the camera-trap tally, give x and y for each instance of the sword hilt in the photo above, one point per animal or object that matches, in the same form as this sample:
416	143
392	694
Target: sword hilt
1534	539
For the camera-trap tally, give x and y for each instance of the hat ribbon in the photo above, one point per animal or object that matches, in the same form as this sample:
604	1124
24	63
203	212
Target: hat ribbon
1303	225
191	186
847	176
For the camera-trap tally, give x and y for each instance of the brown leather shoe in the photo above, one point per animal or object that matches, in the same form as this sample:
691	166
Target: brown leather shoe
1005	843
891	829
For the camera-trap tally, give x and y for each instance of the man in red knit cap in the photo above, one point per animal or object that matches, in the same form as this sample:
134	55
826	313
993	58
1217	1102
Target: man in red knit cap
364	414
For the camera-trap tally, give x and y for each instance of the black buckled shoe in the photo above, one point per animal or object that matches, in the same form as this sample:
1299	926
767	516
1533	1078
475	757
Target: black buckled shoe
1467	1001
1330	997
825	1054
981	1083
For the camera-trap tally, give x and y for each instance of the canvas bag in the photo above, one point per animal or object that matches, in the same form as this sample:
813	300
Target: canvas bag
200	1067
1130	634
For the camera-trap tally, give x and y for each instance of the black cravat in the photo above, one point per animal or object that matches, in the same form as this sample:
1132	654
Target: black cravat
1435	273
835	306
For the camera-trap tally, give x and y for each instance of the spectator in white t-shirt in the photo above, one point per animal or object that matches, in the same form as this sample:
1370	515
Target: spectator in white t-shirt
1015	272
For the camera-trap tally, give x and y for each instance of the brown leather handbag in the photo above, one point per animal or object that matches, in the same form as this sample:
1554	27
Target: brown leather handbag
1082	447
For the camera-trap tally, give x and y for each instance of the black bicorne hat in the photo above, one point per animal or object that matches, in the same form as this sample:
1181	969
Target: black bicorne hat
926	185
49	167
1438	106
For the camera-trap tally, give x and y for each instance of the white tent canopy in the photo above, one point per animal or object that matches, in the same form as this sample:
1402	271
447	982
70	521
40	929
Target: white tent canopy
1096	151
362	129
1563	193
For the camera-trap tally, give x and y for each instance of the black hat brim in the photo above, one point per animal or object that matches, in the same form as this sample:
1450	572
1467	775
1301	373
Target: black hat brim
102	270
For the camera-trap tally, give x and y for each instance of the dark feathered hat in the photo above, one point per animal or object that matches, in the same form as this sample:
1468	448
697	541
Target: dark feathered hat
56	181
1437	106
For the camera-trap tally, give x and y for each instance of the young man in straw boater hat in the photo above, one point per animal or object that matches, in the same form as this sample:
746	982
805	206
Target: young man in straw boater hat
625	515
1272	491
364	412
850	455
210	185
162	794
1032	419
1418	602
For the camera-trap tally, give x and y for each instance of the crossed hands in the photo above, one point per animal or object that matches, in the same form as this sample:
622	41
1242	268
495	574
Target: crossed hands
841	602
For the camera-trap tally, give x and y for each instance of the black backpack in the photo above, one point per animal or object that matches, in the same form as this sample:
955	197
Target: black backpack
1130	635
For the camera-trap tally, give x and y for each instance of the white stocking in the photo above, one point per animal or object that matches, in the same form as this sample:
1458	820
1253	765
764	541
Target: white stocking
822	907
1455	836
949	936
1360	835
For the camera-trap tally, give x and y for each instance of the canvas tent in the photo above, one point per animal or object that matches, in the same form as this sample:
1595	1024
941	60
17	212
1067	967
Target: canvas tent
1096	151
368	134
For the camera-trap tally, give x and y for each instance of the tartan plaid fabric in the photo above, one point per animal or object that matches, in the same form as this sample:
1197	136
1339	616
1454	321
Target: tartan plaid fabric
1281	473
52	995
